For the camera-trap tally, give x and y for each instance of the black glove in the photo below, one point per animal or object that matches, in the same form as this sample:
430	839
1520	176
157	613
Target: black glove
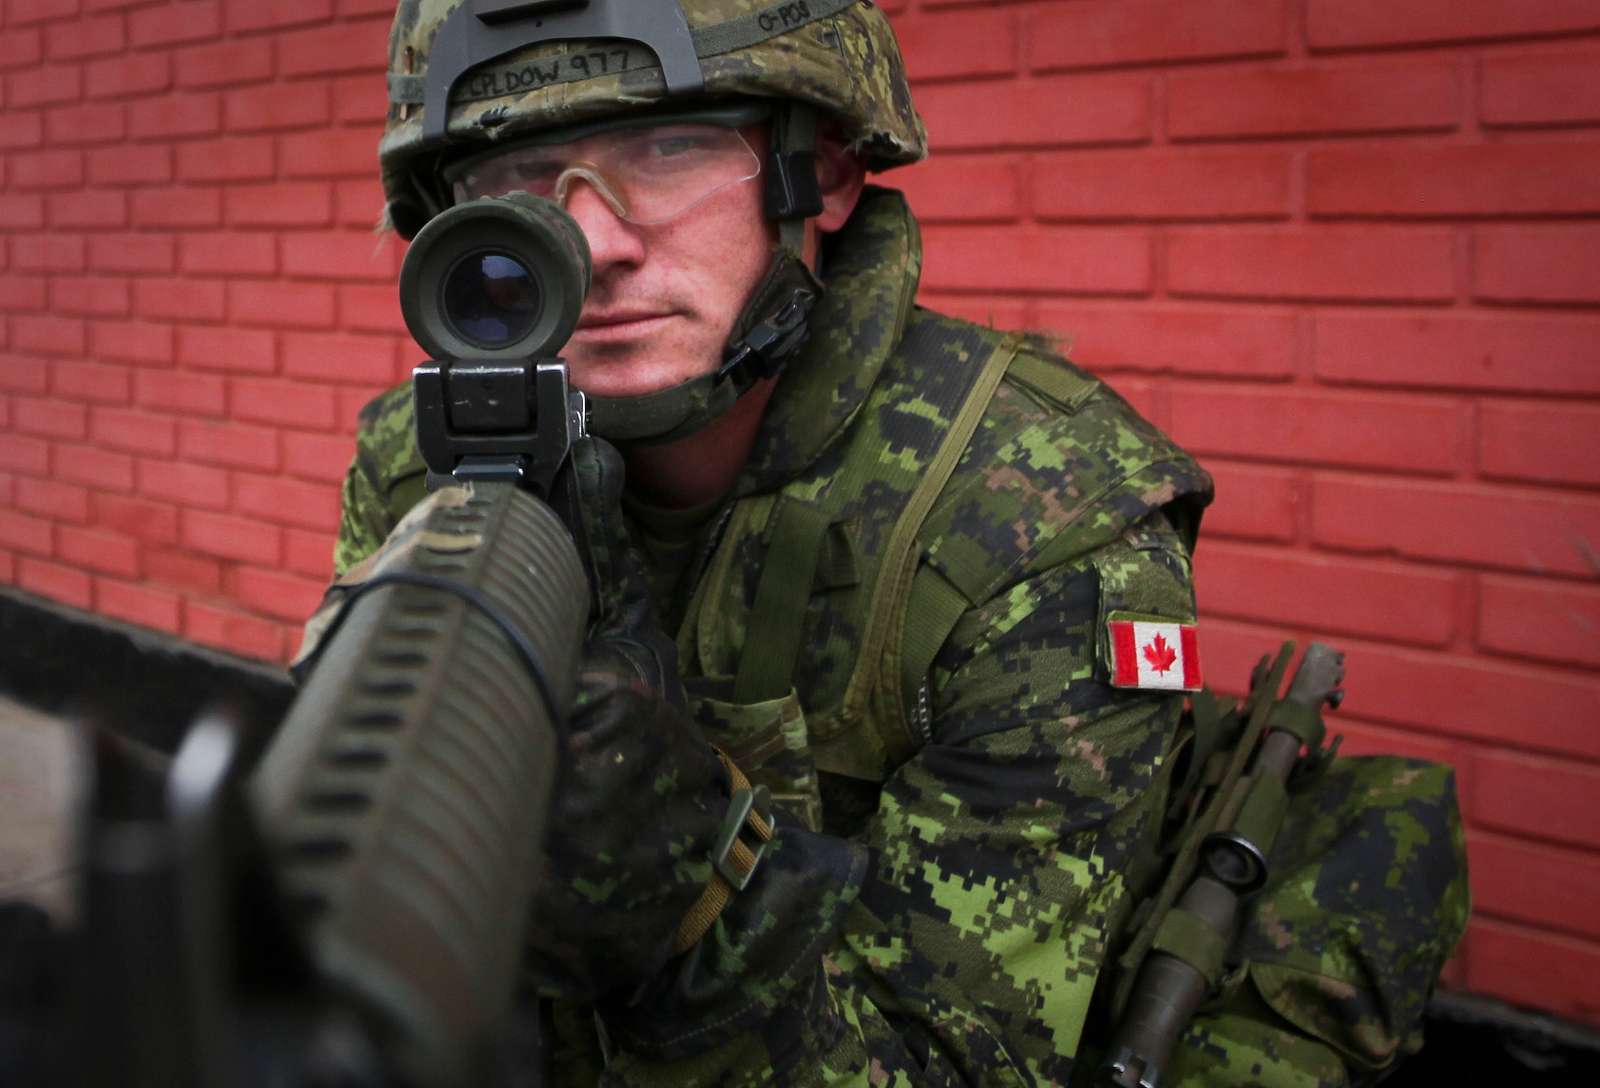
634	820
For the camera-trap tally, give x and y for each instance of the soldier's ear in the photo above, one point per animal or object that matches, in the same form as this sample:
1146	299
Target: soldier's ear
841	177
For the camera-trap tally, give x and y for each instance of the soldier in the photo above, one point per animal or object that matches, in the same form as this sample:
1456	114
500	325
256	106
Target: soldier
925	586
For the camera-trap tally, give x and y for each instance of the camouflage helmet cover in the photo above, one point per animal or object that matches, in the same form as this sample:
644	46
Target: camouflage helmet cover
839	56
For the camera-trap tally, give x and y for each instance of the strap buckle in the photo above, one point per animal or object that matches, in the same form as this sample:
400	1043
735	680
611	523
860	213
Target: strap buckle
744	801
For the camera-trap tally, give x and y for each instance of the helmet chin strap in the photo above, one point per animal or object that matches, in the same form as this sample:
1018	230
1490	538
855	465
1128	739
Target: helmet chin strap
770	329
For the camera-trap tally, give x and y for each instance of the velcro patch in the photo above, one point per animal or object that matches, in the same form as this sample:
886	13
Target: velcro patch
1152	654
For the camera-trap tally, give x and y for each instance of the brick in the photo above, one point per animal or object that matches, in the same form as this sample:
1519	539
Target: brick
1364	739
238	350
342	256
182	393
135	341
46	418
237	632
98	210
128	76
31	455
136	164
359	99
21	212
85	38
1347	24
352	399
1536	264
1540	619
179	299
106	553
1547	89
49	335
1490	526
1323	100
365	308
1210	340
19	47
24	293
139	605
273	14
50	86
276	106
287	502
132	431
185	113
343	47
232	158
1450	181
1254	503
282	305
989	311
225	63
24	373
1442	694
46	170
20	130
1552	355
945	46
1058	112
287	204
232	444
294	404
188	485
96	123
180	570
310	554
132	252
93	296
146	522
183	208
63	584
1102	33
1397	264
1538	796
53	252
99	383
1541	442
23	533
339	358
964	188
359	204
285	596
104	470
230	253
327	153
229	537
1541	885
1049	259
52	499
34	11
175	23
1334	594
1162	185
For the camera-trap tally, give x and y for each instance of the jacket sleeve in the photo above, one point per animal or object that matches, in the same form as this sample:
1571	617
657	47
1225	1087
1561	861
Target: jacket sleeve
965	942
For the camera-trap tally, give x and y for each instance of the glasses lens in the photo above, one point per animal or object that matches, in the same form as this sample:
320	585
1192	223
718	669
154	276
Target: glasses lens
648	175
491	299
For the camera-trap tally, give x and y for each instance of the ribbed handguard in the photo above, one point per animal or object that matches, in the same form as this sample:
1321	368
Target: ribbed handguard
407	792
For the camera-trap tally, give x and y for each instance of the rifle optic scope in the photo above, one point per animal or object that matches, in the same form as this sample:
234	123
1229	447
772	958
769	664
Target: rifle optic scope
498	278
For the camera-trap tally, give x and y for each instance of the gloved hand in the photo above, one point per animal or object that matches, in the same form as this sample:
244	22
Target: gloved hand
643	794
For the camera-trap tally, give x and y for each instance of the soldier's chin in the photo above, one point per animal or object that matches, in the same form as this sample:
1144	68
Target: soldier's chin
603	374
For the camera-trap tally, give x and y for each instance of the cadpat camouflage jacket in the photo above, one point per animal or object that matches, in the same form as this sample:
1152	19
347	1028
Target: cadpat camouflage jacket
926	693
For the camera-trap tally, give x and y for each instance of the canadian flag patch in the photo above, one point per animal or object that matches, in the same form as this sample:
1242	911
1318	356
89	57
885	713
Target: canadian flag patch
1153	654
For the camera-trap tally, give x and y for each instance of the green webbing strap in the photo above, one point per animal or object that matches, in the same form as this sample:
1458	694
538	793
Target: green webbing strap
1186	936
742	32
1303	721
1261	816
766	670
885	623
931	614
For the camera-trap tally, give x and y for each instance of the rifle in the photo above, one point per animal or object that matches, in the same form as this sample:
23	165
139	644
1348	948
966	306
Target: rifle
1175	960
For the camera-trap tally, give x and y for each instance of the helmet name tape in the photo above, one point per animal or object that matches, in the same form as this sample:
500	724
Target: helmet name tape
482	30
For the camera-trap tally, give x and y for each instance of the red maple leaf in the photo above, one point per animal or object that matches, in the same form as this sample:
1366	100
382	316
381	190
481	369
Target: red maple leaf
1160	655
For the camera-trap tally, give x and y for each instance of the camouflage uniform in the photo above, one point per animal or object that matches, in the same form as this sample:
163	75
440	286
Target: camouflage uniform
968	891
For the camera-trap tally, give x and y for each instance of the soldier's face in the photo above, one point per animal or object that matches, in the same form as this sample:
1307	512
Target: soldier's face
665	295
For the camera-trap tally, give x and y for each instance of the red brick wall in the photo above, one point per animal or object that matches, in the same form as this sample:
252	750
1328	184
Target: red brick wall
1345	250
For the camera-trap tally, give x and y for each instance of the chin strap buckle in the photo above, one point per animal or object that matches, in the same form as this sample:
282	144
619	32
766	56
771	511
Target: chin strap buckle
763	350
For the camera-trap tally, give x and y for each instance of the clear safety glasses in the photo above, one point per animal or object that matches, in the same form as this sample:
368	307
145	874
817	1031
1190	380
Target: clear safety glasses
648	174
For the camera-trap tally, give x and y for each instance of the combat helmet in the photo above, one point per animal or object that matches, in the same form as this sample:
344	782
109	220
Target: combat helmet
467	75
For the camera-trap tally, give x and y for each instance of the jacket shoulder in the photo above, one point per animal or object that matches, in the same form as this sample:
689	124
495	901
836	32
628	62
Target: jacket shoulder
386	449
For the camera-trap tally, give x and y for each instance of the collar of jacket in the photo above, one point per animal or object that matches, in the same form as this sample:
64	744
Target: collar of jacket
870	270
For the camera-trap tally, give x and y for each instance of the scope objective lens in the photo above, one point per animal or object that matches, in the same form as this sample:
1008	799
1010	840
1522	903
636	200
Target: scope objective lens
491	299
